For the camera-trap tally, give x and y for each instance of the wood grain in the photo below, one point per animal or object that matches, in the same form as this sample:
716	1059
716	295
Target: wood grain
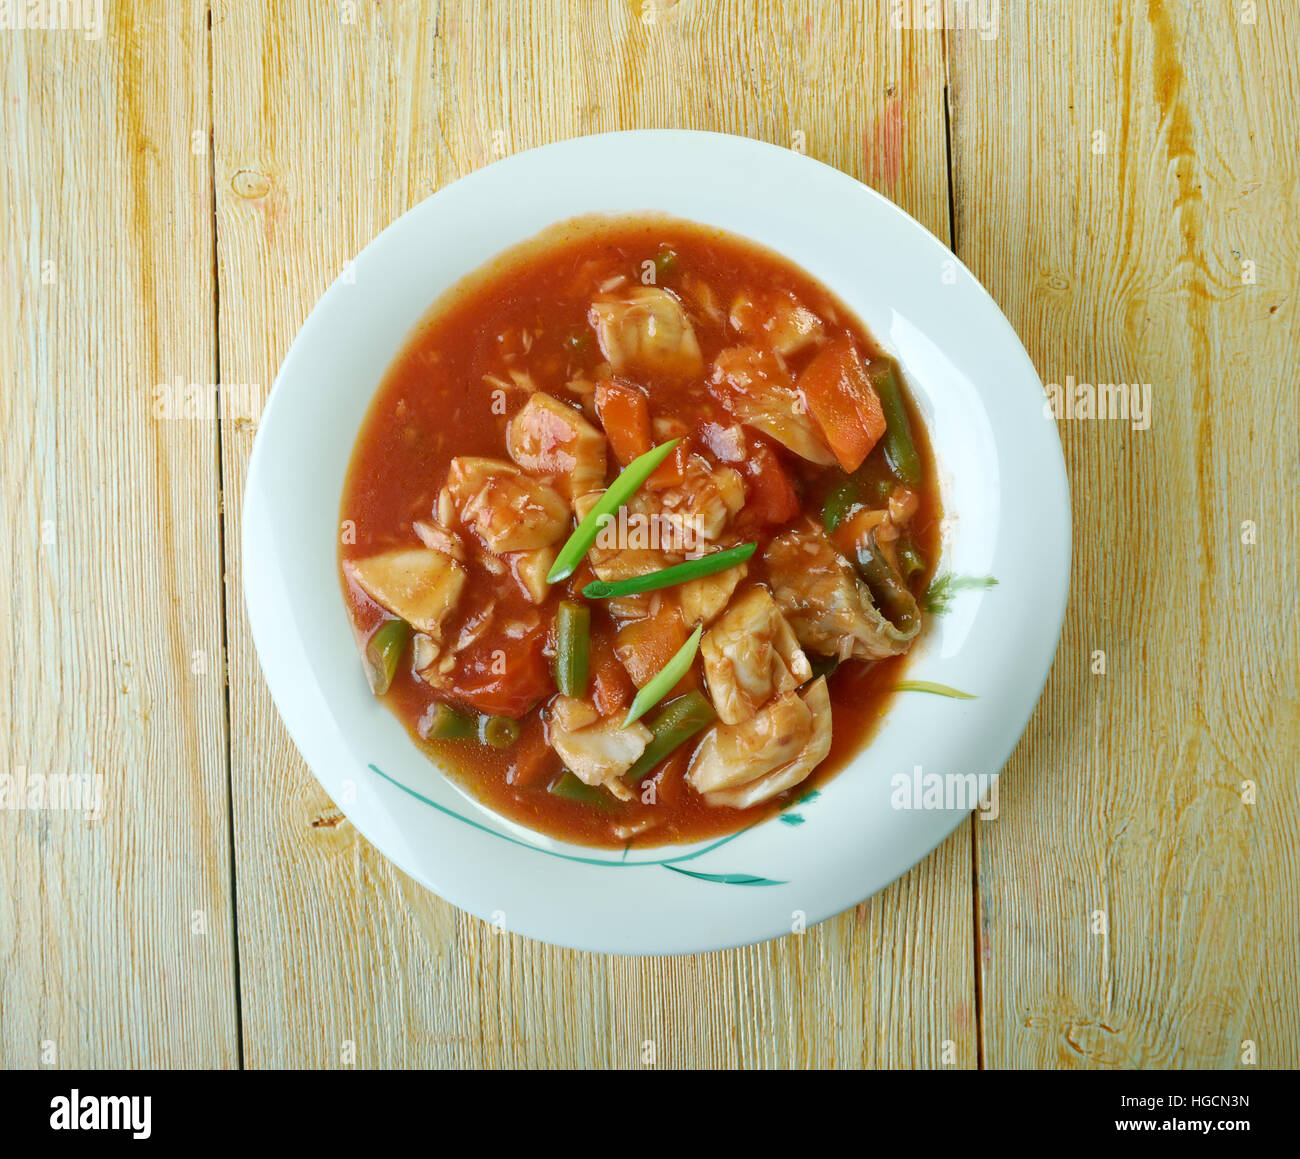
1134	911
325	132
116	931
1122	181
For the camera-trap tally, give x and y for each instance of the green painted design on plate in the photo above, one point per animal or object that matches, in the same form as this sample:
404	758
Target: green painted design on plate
664	862
931	686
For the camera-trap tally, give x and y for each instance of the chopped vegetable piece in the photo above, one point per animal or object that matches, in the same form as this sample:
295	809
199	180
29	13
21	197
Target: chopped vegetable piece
665	263
416	584
503	678
611	687
672	471
572	647
571	789
887	586
498	731
646	645
618	493
838	504
442	722
532	759
910	561
383	652
900	450
840	397
879	490
662	684
668	577
680	720
624	412
772	497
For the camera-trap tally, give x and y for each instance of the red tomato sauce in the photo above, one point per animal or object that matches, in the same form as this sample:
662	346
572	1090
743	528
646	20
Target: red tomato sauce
529	311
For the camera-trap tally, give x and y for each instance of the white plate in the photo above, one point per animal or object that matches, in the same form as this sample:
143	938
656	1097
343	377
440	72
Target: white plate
1004	492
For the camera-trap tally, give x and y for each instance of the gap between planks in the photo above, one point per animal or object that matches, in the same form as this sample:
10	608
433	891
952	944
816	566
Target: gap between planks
221	546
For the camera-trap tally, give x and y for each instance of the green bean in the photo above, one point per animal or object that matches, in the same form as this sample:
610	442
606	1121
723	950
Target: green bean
910	561
887	586
900	450
383	651
498	731
665	263
570	788
572	647
442	722
662	682
680	720
823	665
667	577
618	493
879	490
839	501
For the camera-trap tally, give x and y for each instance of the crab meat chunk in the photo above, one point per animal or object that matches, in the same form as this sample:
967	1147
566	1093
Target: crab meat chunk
739	765
645	331
703	599
597	750
420	585
508	510
829	607
530	569
776	319
751	655
634	543
551	439
707	498
434	535
756	387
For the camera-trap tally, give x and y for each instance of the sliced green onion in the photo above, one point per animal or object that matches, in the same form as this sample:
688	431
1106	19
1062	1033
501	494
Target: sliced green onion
931	686
667	577
665	263
680	720
662	682
383	652
838	503
571	789
498	731
572	647
900	450
442	722
619	492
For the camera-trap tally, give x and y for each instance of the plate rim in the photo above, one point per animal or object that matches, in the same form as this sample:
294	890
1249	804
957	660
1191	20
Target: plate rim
296	352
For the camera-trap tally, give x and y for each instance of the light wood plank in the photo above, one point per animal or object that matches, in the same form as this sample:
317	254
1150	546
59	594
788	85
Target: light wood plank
115	933
325	132
1129	264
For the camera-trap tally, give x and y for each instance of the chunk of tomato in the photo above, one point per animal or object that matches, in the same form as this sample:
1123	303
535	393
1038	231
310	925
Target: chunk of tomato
504	677
772	498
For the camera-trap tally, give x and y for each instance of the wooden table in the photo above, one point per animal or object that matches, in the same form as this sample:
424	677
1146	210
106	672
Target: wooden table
178	191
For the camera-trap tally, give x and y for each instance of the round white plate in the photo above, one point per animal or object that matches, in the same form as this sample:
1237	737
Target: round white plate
1007	516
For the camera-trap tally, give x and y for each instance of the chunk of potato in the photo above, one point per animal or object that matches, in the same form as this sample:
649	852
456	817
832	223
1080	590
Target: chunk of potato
417	583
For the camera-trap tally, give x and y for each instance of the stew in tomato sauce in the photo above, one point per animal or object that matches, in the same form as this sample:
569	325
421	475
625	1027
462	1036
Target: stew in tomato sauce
742	429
